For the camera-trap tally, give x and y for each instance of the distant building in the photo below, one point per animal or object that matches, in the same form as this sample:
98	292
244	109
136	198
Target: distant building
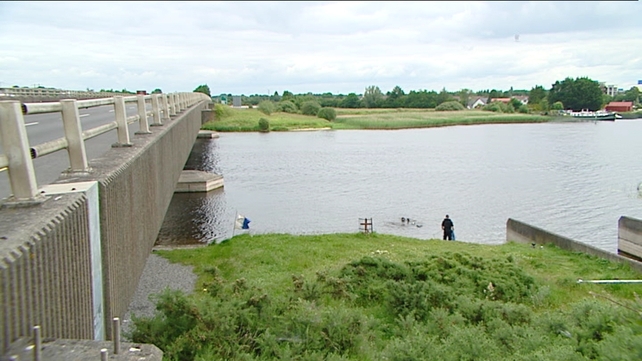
611	90
476	102
619	107
501	100
236	101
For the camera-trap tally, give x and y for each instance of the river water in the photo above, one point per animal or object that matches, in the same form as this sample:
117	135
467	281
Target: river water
574	179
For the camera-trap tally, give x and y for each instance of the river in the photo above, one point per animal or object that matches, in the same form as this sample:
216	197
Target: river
574	179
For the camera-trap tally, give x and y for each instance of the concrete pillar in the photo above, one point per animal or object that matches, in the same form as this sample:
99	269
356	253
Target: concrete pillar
156	110
142	115
165	107
16	148
73	134
121	122
172	104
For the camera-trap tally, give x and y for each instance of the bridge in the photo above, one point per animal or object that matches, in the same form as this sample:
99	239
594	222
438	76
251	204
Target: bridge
72	252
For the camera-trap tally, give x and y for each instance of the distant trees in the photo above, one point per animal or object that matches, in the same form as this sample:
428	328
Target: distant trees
203	89
351	101
577	94
372	97
536	94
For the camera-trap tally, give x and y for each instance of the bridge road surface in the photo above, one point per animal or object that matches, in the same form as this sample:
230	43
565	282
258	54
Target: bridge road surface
45	127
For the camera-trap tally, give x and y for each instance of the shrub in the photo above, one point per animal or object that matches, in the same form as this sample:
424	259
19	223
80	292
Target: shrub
266	107
523	109
310	107
452	105
287	106
327	114
557	106
499	107
222	111
264	125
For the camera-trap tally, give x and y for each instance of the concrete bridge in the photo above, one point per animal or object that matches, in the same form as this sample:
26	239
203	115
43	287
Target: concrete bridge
72	252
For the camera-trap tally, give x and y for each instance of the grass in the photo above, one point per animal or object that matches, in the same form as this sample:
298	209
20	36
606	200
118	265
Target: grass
384	297
269	261
246	120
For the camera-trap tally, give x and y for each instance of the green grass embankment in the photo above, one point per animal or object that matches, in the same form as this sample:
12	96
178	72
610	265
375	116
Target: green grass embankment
384	297
246	120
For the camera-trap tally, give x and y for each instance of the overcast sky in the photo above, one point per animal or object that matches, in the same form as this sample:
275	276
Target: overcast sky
338	47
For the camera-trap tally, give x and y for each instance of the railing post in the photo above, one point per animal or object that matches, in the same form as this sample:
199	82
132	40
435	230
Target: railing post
172	104
121	122
73	134
156	110
142	115
15	145
165	107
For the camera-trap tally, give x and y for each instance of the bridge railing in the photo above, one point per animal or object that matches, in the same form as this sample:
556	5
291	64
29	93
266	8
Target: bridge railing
18	154
43	93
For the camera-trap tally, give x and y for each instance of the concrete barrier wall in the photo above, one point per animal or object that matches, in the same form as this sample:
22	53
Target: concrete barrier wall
136	187
521	232
45	253
630	237
45	270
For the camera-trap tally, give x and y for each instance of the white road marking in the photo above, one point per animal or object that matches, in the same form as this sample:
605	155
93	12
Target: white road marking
32	123
84	115
111	110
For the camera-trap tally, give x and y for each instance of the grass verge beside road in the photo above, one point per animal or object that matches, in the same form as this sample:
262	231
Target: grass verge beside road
246	120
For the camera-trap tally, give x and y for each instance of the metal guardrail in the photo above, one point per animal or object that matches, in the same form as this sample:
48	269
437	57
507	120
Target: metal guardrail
18	155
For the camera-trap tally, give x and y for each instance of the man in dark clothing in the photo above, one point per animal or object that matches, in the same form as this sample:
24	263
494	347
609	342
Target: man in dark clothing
447	225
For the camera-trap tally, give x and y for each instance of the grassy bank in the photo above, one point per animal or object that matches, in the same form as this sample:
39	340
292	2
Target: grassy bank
246	120
376	297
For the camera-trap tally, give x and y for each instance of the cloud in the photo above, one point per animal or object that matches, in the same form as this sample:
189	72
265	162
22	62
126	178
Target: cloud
341	47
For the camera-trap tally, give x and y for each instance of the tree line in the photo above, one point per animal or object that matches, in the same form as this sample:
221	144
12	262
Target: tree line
576	94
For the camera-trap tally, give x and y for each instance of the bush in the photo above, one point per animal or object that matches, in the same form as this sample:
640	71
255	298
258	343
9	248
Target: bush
222	111
287	106
310	107
266	107
327	114
264	125
447	106
499	107
523	109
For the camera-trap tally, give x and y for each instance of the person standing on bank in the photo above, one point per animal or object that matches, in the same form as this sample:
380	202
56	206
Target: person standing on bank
448	226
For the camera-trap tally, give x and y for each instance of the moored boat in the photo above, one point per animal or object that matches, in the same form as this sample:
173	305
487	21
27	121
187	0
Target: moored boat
586	114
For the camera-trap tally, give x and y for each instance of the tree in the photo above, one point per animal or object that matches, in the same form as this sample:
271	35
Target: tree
157	91
536	94
443	96
631	95
266	107
310	107
287	95
351	101
203	89
395	98
577	94
464	96
372	97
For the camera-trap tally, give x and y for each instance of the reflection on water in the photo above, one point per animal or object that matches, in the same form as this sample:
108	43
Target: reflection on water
574	179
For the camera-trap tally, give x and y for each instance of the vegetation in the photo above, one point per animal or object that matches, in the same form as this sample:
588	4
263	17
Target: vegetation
327	114
244	120
266	107
287	106
577	94
264	125
380	297
449	106
205	89
310	107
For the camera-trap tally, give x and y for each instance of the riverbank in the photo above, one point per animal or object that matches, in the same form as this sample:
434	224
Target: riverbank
246	120
382	296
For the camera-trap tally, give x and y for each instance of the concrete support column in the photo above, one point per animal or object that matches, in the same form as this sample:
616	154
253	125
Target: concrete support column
121	122
156	110
172	104
16	148
73	134
165	107
142	115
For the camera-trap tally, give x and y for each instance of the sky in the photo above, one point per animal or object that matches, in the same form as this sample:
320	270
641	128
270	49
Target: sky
337	47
